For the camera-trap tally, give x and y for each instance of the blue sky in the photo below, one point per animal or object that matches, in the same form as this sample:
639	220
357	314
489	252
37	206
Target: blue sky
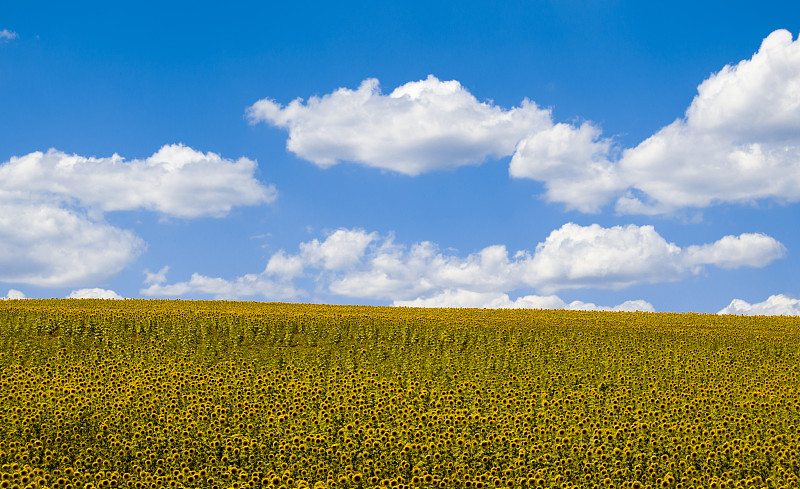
626	155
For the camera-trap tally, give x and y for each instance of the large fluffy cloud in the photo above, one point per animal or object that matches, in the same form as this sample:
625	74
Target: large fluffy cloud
52	228
621	256
593	256
775	305
420	126
49	246
364	265
739	141
574	164
175	181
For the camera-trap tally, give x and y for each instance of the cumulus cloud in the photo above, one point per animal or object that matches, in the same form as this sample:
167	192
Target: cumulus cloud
392	271
364	265
593	256
7	35
175	181
775	305
52	229
49	246
419	127
622	256
158	277
573	162
93	293
266	284
342	249
13	294
494	300
748	250
738	142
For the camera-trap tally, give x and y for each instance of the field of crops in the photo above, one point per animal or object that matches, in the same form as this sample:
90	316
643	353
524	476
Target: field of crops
180	394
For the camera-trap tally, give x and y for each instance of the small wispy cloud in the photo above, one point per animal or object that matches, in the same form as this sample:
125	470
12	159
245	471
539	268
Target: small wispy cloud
7	35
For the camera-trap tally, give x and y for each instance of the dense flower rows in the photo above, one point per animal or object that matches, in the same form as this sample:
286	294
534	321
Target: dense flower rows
177	394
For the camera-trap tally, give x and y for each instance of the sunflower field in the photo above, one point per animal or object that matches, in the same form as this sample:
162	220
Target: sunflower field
184	394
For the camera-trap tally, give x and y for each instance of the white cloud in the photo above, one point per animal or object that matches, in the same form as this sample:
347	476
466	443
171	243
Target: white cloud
94	293
13	294
775	305
739	141
342	249
421	126
749	250
49	246
285	266
495	300
395	272
574	162
593	256
358	264
759	95
176	181
622	256
158	277
250	285
7	35
52	228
